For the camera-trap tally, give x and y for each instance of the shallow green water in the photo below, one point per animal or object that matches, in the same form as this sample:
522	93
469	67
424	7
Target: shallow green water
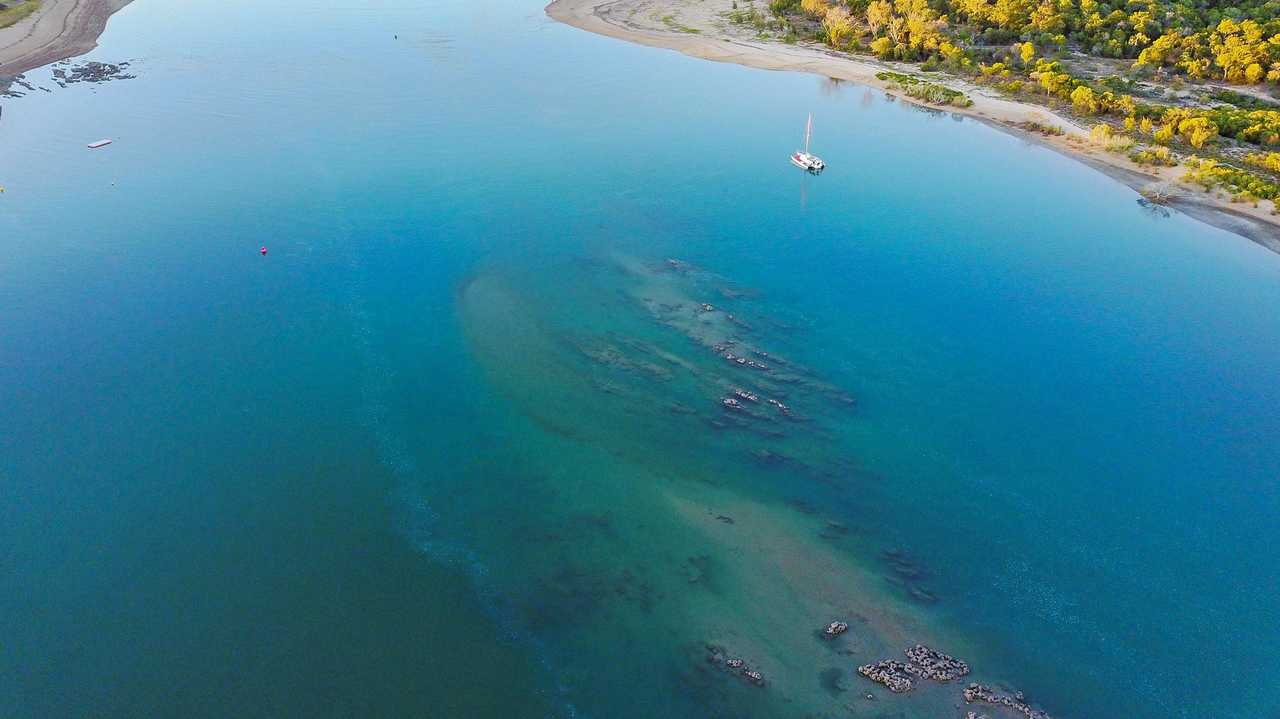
455	446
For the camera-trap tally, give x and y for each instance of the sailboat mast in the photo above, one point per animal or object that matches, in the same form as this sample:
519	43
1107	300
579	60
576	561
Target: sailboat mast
808	131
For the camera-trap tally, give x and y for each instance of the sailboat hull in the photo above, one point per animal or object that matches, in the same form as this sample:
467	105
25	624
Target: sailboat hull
805	160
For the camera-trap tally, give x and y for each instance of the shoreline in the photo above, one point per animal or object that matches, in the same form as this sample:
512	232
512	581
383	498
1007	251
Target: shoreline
58	30
698	28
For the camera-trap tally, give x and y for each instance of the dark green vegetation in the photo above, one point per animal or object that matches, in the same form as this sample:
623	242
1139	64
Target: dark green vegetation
929	92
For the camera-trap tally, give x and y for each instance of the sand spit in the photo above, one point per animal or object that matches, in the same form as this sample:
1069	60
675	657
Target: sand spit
58	30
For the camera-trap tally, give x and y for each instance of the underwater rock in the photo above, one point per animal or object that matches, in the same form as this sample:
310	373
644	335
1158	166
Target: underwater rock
833	530
906	573
733	293
902	564
6	90
612	357
768	456
831	679
802	506
680	408
697	570
922	595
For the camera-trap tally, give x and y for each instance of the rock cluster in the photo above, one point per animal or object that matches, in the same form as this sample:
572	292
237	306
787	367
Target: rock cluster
933	664
91	72
835	629
716	655
889	672
731	357
781	407
925	663
1016	701
6	90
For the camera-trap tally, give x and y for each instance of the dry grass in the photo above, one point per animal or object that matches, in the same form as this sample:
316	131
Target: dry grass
15	13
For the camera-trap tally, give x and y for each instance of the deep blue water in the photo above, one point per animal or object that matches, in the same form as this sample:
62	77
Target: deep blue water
385	470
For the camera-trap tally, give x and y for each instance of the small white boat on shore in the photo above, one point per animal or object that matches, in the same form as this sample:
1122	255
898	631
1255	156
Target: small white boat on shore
99	143
804	159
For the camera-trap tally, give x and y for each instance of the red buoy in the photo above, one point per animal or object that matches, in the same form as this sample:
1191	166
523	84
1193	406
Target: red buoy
263	250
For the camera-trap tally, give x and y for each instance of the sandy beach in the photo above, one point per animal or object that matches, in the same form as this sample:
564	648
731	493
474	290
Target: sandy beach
701	28
58	30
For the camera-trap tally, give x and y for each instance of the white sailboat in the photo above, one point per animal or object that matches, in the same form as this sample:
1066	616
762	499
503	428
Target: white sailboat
804	159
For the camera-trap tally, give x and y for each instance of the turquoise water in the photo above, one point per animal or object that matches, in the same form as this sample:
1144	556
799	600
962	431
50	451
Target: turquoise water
454	447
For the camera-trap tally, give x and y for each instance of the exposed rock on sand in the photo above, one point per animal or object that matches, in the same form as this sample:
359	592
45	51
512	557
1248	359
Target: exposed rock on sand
925	663
889	672
716	656
94	72
982	693
835	629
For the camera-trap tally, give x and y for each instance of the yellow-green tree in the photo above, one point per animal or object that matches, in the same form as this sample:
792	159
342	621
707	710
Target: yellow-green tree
1083	101
1197	131
839	26
878	15
1267	161
1164	50
1047	18
1054	83
1238	47
816	9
